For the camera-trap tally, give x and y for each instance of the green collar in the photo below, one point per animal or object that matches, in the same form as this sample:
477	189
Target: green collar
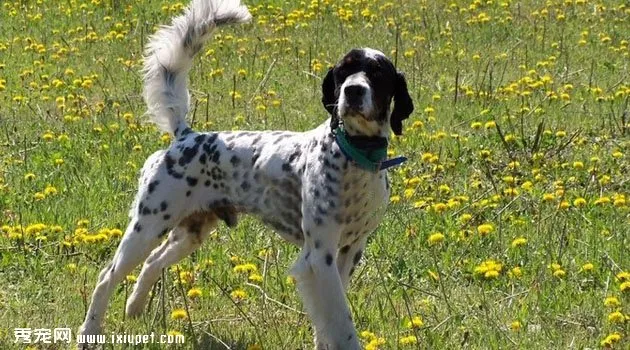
371	159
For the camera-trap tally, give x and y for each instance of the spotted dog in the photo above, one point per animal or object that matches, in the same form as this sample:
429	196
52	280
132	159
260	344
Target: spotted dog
324	190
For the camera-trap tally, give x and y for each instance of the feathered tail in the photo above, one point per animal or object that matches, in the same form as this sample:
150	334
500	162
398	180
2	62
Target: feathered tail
169	56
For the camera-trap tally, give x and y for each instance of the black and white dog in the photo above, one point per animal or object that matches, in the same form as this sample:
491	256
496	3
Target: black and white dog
324	190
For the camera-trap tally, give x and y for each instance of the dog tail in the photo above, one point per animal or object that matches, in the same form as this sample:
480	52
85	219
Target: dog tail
169	56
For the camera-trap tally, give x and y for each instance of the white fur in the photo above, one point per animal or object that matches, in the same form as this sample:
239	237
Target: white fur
168	103
298	183
356	79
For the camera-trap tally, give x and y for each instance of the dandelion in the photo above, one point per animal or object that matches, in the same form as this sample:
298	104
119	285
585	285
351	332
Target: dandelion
516	272
515	326
489	269
29	177
616	317
256	278
610	340
415	322
485	229
611	302
521	241
238	294
245	268
588	267
408	340
436	238
194	293
579	202
179	314
131	278
625	286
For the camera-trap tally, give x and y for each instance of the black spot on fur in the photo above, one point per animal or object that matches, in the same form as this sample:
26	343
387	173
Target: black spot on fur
166	216
207	183
192	181
351	271
235	160
146	211
153	185
329	259
163	206
286	167
318	221
344	249
188	193
357	257
137	227
318	244
245	186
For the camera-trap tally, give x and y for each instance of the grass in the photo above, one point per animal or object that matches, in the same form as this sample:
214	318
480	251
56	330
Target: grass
509	227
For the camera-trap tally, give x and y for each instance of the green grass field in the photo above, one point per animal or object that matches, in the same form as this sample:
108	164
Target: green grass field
508	228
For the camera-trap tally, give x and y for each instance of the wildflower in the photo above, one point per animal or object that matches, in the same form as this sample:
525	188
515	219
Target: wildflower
194	293
408	340
394	199
475	125
254	347
238	294
564	205
616	317
519	242
256	278
245	268
611	302
415	322
29	177
72	267
489	269
516	272
436	238
623	276
625	286
485	229
515	326
588	267
50	190
131	278
490	125
610	340
179	314
559	273
579	202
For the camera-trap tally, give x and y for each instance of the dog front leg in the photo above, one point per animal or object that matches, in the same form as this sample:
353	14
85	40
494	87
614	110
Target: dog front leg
321	289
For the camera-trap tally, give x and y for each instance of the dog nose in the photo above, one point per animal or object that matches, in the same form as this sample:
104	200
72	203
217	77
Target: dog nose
354	94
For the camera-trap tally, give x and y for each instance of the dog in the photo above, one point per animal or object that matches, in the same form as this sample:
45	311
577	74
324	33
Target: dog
324	190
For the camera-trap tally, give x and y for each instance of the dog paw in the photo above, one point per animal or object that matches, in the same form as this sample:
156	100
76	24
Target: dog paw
134	308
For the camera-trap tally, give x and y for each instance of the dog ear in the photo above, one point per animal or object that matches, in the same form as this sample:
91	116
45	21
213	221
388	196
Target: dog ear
329	98
403	105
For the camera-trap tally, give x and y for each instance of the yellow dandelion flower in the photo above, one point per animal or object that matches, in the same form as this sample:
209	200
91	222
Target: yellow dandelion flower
588	267
515	326
256	278
408	340
560	273
610	340
415	322
131	278
194	293
625	286
616	317
485	229
611	302
579	202
520	241
179	314
238	294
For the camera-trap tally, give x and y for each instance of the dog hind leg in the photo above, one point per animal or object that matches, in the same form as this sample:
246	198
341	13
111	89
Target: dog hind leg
182	241
139	239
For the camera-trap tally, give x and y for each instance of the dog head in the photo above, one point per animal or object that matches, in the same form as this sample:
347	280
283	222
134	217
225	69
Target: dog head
359	91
